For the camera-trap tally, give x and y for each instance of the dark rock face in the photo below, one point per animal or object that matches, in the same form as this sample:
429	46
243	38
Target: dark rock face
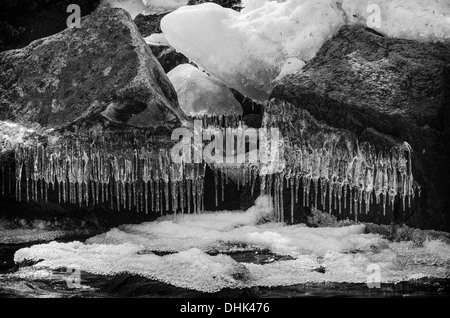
149	24
23	21
168	57
386	91
103	70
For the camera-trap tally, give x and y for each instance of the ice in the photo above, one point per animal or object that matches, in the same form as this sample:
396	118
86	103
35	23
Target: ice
133	7
250	49
415	19
146	7
188	269
162	6
19	231
202	95
247	50
156	39
343	254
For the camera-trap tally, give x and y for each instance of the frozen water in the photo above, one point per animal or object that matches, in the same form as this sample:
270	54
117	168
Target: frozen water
133	7
202	95
345	253
414	19
162	6
156	39
249	50
146	7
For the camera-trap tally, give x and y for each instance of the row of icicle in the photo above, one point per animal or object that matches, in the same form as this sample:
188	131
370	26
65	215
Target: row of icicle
86	174
336	176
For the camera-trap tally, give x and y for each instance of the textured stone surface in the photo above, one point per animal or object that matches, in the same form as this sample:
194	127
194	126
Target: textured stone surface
386	91
103	70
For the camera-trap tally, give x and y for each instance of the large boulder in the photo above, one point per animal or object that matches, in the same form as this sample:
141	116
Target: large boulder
386	91
103	71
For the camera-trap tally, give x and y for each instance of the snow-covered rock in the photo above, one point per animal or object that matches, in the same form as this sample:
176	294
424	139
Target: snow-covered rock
200	94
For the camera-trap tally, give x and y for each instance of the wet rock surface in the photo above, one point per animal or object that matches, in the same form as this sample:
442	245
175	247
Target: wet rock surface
385	91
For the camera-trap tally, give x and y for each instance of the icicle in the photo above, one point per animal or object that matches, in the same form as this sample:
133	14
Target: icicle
216	187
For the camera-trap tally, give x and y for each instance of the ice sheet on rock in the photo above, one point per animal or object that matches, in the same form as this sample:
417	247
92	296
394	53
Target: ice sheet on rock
202	95
156	39
225	230
189	269
321	254
247	50
414	19
133	7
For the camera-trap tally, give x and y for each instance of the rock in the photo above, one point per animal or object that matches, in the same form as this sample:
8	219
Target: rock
101	71
166	55
133	7
149	24
386	91
22	22
202	95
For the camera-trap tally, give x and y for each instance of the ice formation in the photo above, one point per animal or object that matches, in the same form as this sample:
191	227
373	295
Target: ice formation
133	7
344	253
146	7
132	174
331	169
249	49
416	19
156	39
202	95
318	166
162	6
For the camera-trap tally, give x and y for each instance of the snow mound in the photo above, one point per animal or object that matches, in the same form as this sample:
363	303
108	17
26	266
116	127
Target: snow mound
202	95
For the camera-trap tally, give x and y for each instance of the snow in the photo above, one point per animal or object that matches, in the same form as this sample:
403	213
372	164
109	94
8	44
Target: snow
267	40
202	95
345	252
414	19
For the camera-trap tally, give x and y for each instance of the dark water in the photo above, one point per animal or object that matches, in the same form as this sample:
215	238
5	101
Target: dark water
126	285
